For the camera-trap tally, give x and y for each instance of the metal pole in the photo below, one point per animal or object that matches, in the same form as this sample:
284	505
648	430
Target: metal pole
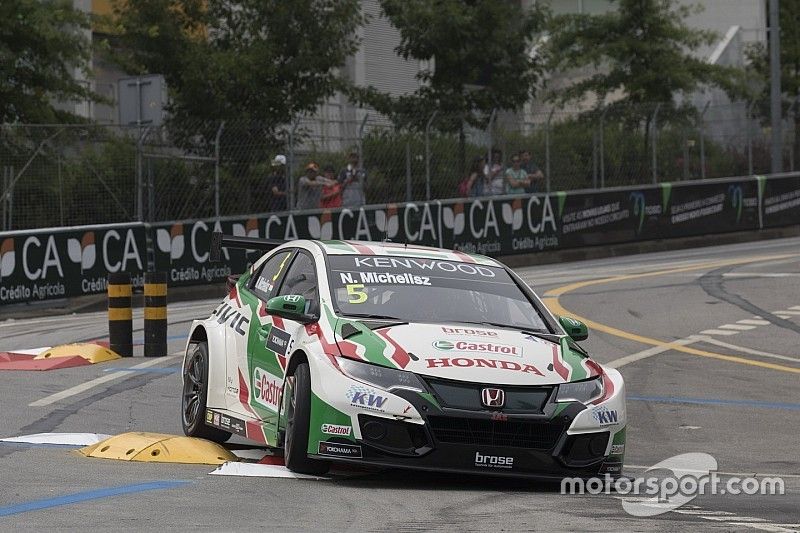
655	144
602	149
139	182
749	139
361	141
60	192
3	198
775	85
547	151
428	156
408	171
216	169
290	166
703	141
489	132
594	159
792	114
685	139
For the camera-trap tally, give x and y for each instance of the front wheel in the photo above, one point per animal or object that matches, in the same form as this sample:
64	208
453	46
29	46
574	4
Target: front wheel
195	394
298	414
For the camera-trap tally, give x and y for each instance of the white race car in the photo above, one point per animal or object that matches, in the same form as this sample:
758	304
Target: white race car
399	356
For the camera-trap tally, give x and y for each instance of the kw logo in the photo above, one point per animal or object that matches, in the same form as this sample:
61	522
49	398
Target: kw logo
366	398
605	416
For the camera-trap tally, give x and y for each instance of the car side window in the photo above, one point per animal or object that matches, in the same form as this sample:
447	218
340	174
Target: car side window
264	283
301	279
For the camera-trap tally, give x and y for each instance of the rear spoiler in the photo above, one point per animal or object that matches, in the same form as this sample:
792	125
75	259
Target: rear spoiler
218	240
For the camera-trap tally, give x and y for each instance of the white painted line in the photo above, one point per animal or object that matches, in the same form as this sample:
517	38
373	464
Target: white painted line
644	354
753	322
748	519
780	314
77	389
744	349
795	307
717	332
737	327
773	528
760	275
70	439
793	313
739	474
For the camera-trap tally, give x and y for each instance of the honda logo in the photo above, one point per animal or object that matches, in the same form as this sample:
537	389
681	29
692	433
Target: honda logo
493	397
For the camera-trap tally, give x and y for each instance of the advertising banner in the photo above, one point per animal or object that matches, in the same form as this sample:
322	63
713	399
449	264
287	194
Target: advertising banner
67	262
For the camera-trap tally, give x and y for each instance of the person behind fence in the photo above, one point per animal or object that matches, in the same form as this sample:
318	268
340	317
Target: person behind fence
475	182
309	188
516	177
494	175
352	179
332	191
276	184
535	174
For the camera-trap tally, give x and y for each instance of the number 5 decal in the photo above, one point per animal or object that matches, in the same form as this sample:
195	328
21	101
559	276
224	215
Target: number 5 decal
356	293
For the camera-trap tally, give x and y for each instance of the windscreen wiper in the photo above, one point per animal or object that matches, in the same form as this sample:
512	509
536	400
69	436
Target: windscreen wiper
539	333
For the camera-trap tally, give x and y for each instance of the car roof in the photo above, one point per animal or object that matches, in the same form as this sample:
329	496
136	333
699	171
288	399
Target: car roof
396	249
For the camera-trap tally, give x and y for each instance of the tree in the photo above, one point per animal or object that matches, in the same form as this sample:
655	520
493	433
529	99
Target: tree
261	62
641	51
43	45
759	68
479	59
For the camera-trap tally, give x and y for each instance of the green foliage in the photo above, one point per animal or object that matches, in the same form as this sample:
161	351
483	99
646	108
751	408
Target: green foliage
641	50
478	57
42	45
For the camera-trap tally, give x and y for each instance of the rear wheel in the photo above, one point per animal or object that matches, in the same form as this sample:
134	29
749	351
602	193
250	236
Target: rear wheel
195	394
298	415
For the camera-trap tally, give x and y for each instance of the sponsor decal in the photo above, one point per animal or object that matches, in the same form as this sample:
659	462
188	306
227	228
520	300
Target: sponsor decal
605	416
617	449
491	397
216	419
209	416
432	265
339	450
480	347
334	429
366	398
499	417
466	362
376	278
469	331
493	461
266	389
614	467
278	341
235	320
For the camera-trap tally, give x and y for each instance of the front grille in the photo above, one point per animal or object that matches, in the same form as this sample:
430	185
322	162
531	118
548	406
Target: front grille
530	434
460	395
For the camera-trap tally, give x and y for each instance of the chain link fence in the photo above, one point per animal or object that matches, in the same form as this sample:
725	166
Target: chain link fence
63	175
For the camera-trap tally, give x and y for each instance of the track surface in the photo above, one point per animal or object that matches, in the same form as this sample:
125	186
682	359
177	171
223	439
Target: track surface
742	408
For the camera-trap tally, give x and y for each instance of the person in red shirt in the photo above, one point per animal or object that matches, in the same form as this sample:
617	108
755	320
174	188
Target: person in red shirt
331	193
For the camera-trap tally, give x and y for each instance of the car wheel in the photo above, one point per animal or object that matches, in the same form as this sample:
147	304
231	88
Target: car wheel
195	393
298	413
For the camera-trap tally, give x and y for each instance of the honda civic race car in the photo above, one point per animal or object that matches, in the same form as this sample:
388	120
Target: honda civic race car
399	356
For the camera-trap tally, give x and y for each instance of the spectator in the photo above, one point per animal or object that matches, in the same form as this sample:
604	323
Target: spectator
516	177
276	183
534	173
496	183
332	191
475	182
352	179
309	188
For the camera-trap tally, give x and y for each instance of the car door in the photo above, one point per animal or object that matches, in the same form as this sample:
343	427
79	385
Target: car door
245	378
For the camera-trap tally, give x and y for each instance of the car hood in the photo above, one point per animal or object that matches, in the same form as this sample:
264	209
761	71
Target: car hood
464	352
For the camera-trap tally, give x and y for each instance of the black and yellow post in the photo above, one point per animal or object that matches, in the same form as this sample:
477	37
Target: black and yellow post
155	314
120	316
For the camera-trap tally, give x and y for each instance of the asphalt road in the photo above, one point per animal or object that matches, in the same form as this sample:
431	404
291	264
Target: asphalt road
702	373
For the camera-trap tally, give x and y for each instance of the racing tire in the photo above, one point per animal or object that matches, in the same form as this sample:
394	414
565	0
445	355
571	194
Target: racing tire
298	415
195	394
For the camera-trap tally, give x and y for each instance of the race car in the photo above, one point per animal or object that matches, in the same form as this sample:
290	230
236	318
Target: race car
404	356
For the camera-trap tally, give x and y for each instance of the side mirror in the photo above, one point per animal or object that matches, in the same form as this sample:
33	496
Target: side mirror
574	328
290	306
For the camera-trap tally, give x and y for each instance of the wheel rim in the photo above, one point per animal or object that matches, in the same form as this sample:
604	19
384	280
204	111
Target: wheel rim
192	388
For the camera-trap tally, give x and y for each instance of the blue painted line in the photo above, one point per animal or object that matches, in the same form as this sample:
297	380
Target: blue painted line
88	495
712	401
155	370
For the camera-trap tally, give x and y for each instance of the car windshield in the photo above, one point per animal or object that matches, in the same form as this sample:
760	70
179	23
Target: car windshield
429	290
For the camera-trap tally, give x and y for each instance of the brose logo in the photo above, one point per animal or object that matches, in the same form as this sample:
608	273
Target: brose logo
493	461
480	347
266	389
469	331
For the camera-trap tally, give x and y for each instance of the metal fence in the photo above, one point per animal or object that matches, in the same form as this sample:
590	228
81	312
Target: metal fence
60	175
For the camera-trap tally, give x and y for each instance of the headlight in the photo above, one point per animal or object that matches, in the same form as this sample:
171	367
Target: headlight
581	391
381	377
